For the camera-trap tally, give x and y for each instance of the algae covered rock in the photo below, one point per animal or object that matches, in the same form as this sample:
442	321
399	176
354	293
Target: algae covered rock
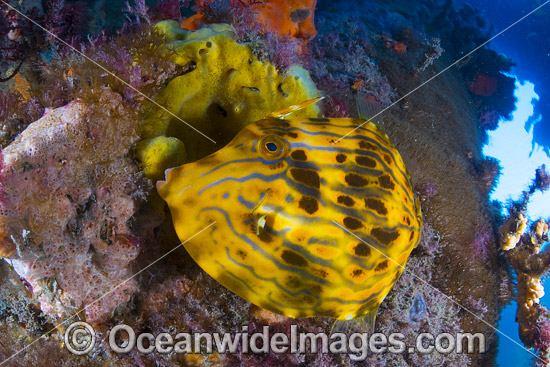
70	194
223	88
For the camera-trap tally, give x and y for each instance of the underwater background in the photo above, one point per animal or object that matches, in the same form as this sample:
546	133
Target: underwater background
99	98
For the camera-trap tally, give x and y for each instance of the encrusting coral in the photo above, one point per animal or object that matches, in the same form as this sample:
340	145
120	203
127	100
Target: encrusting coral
523	251
69	193
223	88
511	232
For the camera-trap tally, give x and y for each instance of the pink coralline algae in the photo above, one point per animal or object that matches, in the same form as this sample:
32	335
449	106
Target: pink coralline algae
482	241
427	190
70	193
542	342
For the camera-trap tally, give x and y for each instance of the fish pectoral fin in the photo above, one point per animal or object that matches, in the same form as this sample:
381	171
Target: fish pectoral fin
260	223
281	114
263	196
259	218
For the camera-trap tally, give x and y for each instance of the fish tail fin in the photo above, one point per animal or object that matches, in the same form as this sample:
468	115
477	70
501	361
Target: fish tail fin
361	324
370	320
281	114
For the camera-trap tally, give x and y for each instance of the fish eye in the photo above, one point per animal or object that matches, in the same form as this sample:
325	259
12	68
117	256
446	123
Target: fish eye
273	147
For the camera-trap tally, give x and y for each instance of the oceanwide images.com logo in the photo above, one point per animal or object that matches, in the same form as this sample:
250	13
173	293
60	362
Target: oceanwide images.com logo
80	339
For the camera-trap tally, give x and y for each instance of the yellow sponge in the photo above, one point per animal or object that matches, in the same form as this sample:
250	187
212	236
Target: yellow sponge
158	153
224	87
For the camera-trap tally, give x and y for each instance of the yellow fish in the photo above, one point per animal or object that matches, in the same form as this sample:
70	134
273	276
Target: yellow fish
276	192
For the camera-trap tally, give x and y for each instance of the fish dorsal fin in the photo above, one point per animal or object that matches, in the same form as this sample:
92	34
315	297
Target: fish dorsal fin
281	114
367	108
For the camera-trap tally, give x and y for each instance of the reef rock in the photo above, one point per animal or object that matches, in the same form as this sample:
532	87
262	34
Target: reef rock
69	194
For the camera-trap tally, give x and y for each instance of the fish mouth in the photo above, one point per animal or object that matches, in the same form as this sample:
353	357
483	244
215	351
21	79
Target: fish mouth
161	185
178	177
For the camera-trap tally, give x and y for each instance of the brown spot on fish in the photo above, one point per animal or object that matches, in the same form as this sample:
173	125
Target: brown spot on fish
309	204
316	289
382	266
366	145
346	200
293	282
376	205
320	272
341	158
387	158
277	165
294	259
386	182
292	134
284	123
407	220
241	254
298	155
365	161
384	237
356	273
308	177
356	180
352	223
306	299
411	237
264	236
362	250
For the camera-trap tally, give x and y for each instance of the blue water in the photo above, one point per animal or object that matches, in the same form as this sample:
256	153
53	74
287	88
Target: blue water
528	44
510	354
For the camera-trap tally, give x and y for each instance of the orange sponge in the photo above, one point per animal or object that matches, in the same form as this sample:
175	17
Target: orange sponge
284	17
